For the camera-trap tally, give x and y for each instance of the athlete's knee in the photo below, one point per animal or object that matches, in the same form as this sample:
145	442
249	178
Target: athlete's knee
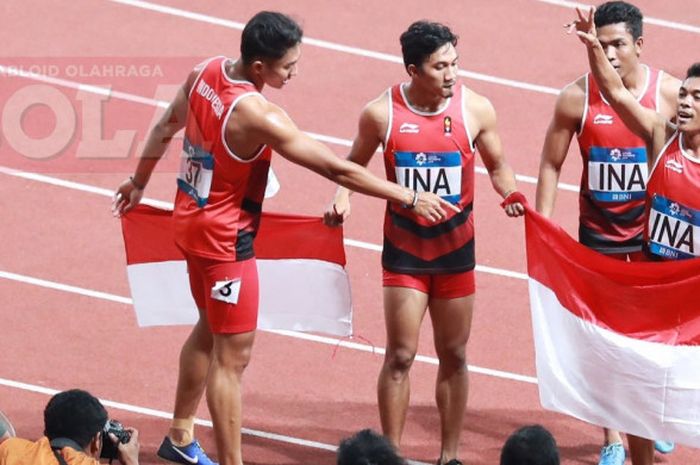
452	356
231	353
399	361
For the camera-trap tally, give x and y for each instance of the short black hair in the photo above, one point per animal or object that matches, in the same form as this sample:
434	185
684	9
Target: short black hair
74	414
422	39
693	71
530	445
368	448
620	12
269	35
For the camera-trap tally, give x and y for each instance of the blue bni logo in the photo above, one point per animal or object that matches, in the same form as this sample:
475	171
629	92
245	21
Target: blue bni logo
673	229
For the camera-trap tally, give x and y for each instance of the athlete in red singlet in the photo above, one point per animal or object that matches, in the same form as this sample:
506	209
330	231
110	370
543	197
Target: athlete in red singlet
611	199
230	132
614	175
429	129
672	227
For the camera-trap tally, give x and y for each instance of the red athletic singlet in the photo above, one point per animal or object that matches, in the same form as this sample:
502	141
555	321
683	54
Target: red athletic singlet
673	205
429	152
219	197
613	180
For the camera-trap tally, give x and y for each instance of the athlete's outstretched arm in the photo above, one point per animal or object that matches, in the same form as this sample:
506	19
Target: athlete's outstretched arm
371	127
129	192
567	116
269	123
491	150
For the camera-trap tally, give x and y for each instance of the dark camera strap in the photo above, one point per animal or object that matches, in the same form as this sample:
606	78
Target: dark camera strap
59	443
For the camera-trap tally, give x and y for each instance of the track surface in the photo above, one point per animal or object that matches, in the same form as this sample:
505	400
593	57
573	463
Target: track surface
301	396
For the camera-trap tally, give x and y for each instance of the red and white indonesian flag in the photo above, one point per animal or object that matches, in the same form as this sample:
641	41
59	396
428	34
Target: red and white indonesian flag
303	285
617	343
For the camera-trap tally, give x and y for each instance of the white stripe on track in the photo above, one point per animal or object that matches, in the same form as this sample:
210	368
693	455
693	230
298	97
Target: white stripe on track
64	287
9	71
166	415
204	18
293	334
169	206
655	21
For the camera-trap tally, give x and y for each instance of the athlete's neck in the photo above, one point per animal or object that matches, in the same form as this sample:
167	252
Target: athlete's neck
421	101
239	71
691	143
635	80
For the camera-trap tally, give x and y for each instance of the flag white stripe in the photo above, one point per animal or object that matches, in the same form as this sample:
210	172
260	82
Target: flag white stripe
645	388
320	291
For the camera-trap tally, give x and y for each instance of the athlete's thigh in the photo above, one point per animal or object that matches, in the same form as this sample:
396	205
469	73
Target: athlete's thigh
452	321
404	308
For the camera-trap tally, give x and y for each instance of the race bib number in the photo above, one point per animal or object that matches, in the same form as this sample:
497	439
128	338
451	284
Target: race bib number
196	170
436	172
226	291
674	230
617	175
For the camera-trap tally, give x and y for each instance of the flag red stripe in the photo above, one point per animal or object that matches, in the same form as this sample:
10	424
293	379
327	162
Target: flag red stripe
652	301
149	237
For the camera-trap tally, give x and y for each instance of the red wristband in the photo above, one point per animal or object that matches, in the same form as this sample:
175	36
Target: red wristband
514	197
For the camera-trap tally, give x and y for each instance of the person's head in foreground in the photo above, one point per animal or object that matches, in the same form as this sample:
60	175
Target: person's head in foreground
368	448
530	445
76	415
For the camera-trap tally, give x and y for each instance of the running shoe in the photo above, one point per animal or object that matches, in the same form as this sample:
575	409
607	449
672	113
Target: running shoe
190	454
664	447
612	454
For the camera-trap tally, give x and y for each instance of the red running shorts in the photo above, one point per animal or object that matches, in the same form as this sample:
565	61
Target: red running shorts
438	286
227	291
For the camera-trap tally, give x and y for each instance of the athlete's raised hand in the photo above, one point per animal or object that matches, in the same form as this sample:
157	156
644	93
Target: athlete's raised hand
584	26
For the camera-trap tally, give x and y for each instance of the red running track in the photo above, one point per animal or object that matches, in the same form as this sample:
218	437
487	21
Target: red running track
295	390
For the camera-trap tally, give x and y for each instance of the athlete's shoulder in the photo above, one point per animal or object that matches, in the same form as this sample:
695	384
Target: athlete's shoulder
376	111
476	104
571	101
257	115
575	92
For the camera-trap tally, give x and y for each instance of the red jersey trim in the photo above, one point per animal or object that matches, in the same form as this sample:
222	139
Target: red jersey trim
390	122
663	152
466	119
445	105
225	123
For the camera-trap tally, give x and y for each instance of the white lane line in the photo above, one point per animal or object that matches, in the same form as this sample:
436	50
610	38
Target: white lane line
293	334
10	71
204	18
169	206
481	268
64	287
655	21
99	90
421	358
166	415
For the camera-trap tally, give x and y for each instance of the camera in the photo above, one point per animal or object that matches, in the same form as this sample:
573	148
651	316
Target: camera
109	449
